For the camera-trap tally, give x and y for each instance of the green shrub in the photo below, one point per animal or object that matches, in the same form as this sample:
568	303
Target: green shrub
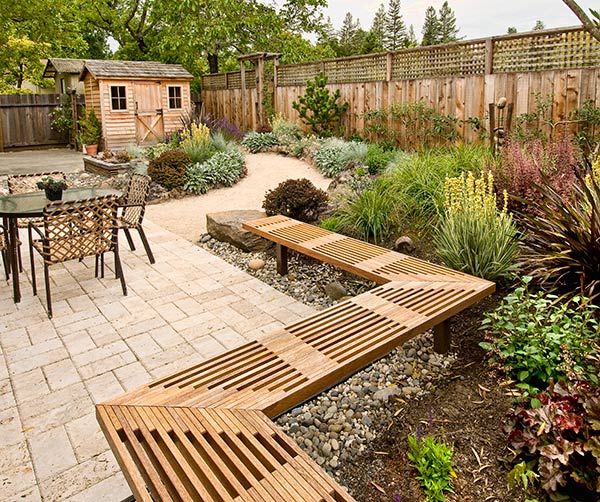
378	158
332	224
259	141
418	182
319	108
536	340
284	129
298	199
168	170
155	151
369	215
433	459
562	247
196	142
334	155
559	440
223	168
221	143
474	236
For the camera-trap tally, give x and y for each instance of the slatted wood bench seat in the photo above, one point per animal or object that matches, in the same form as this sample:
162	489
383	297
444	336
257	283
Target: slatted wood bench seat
159	431
192	454
366	260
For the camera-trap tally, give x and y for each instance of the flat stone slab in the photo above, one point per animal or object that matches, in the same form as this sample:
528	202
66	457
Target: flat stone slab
226	226
99	166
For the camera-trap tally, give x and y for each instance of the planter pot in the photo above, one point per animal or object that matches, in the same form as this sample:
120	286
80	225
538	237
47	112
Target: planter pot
53	194
91	149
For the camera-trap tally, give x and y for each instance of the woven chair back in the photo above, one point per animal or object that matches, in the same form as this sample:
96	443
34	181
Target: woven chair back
136	196
76	229
25	183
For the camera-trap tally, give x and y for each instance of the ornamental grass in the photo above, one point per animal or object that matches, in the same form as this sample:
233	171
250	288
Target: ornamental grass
474	236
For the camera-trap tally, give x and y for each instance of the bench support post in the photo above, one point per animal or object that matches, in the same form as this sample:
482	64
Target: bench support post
281	253
441	337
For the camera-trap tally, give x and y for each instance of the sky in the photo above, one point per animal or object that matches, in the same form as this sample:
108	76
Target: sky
475	18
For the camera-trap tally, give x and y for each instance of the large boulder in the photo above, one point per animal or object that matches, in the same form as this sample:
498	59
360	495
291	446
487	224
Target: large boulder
226	226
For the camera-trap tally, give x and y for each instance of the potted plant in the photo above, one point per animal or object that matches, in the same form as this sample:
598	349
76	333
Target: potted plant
90	131
52	187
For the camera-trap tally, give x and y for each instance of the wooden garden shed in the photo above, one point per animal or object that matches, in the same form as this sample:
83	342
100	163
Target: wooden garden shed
138	102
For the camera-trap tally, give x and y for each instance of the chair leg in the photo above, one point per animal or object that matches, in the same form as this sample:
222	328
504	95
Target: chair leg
19	257
48	296
119	272
32	262
102	265
6	265
146	244
129	239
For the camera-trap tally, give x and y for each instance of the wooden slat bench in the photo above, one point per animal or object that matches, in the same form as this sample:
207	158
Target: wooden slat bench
204	433
366	260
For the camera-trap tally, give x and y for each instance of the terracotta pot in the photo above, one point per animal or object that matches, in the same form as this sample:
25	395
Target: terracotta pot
91	149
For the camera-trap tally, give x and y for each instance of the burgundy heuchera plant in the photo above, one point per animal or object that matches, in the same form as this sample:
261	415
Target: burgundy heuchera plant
561	438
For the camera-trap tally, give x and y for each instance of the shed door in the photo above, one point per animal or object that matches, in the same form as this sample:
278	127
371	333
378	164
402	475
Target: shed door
148	113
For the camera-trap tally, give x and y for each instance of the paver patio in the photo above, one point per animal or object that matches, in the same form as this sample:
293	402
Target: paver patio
187	307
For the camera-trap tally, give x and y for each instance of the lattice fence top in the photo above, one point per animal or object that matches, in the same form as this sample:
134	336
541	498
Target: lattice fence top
230	80
439	61
534	51
546	51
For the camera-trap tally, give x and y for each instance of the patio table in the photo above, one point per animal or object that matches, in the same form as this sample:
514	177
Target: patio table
28	205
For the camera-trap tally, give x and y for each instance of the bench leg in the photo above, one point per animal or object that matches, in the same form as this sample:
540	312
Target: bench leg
281	253
441	337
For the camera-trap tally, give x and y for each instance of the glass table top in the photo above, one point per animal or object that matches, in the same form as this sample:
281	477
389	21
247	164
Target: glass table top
33	203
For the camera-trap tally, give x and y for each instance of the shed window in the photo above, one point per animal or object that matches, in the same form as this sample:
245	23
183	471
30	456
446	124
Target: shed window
174	97
118	99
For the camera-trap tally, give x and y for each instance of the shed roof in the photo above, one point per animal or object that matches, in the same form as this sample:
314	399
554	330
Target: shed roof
133	69
63	65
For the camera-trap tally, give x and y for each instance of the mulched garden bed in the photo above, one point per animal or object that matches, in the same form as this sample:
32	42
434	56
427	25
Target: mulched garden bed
468	411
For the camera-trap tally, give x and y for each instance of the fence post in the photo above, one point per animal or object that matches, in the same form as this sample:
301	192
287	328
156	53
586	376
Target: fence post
389	59
275	66
489	56
243	79
260	91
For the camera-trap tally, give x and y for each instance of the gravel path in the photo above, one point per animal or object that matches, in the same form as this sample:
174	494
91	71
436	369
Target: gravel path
187	217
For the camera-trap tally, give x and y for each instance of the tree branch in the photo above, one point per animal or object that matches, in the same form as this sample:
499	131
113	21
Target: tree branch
588	24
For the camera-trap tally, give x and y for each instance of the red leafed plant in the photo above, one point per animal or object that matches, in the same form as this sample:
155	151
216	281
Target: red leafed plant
561	439
523	165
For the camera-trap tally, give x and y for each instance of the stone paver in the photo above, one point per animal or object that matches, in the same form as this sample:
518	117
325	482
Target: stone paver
187	307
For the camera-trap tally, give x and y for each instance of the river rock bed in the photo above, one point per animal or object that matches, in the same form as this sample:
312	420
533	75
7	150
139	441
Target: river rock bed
308	281
336	425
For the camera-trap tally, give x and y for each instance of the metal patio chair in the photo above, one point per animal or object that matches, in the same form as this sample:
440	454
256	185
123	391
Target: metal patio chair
133	204
73	230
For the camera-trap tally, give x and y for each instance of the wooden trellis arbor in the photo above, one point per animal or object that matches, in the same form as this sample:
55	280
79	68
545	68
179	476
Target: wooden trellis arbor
258	60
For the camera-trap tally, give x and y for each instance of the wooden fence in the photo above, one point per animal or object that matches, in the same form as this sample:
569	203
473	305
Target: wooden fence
458	79
25	121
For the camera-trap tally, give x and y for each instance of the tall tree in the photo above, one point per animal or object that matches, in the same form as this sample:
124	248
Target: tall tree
378	28
430	29
350	36
31	30
448	32
395	29
539	25
591	25
411	38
